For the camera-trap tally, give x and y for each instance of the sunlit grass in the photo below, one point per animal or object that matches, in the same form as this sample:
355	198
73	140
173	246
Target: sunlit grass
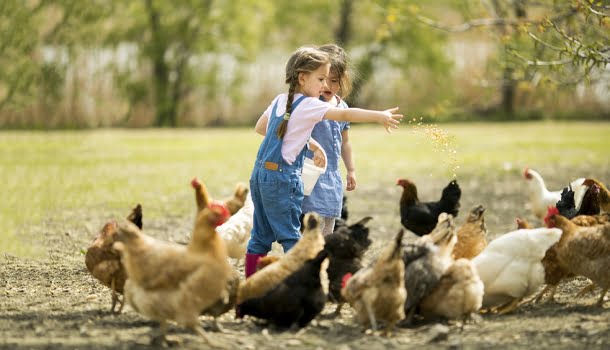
105	172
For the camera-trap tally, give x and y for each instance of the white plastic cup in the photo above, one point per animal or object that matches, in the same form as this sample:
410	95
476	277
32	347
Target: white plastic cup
311	173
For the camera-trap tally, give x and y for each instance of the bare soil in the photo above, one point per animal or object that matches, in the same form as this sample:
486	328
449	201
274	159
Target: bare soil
53	303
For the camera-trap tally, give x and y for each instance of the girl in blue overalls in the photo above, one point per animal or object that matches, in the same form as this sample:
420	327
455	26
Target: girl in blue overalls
327	195
275	183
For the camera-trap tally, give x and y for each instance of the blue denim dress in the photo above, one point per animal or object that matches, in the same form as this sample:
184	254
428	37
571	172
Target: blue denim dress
277	192
326	198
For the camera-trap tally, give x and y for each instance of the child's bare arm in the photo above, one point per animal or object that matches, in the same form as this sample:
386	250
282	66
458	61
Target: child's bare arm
261	125
348	161
388	118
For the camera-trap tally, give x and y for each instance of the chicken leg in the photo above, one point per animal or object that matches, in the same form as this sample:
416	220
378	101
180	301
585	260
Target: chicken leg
115	298
372	320
600	302
508	307
197	329
548	287
591	287
162	338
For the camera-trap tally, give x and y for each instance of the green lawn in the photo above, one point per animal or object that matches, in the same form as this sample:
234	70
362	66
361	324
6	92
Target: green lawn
104	172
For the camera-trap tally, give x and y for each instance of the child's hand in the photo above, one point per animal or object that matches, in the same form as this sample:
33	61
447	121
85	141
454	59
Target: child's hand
392	119
351	181
319	159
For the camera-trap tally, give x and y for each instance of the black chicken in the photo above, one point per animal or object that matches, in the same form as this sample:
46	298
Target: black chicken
346	247
342	221
421	217
298	299
590	204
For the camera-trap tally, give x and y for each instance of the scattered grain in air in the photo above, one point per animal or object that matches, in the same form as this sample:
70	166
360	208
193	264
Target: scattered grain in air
441	142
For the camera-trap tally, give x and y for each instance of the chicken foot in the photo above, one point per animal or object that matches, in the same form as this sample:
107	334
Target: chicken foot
372	320
197	329
508	307
162	338
548	287
115	298
591	287
337	312
600	302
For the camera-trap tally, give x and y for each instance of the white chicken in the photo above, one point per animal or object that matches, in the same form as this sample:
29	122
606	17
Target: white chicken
510	266
541	198
236	231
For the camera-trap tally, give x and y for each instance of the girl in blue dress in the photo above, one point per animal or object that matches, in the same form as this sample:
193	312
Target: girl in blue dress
327	195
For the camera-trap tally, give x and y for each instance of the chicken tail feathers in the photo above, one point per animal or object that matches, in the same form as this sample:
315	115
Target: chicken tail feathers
397	245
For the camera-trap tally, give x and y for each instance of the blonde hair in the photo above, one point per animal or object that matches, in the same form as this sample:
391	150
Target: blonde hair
305	59
339	67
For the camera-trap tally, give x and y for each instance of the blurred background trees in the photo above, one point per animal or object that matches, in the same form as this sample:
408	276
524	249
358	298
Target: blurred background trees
104	63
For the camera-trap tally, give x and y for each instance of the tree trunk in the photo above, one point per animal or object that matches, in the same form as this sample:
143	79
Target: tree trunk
343	32
163	108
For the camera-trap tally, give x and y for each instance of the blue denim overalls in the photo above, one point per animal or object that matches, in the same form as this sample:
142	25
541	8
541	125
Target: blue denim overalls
277	192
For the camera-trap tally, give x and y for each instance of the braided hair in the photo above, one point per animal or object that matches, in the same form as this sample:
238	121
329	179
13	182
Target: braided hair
304	60
340	67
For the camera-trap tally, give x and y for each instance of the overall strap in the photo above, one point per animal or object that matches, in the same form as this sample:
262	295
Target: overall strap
294	105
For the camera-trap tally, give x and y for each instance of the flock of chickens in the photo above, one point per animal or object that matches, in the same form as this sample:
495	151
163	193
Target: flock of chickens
449	272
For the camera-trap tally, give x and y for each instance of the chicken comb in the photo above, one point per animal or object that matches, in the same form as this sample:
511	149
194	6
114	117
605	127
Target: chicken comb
195	182
526	173
550	212
221	209
345	278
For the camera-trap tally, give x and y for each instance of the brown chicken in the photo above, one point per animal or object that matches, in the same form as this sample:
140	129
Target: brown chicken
236	231
604	194
458	294
168	281
104	263
266	261
233	203
554	273
310	244
585	251
378	292
472	235
226	302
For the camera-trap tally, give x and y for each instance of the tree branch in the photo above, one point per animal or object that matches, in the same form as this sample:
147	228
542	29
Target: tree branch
486	22
540	63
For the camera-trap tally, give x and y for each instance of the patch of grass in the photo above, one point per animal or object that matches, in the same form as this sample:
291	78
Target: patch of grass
102	174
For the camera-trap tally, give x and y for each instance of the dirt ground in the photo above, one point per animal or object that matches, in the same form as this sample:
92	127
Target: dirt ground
53	303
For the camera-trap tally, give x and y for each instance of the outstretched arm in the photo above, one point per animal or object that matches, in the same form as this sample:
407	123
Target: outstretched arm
388	118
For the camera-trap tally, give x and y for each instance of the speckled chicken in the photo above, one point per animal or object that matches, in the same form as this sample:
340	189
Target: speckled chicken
103	261
585	251
458	295
169	281
472	235
377	292
426	261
